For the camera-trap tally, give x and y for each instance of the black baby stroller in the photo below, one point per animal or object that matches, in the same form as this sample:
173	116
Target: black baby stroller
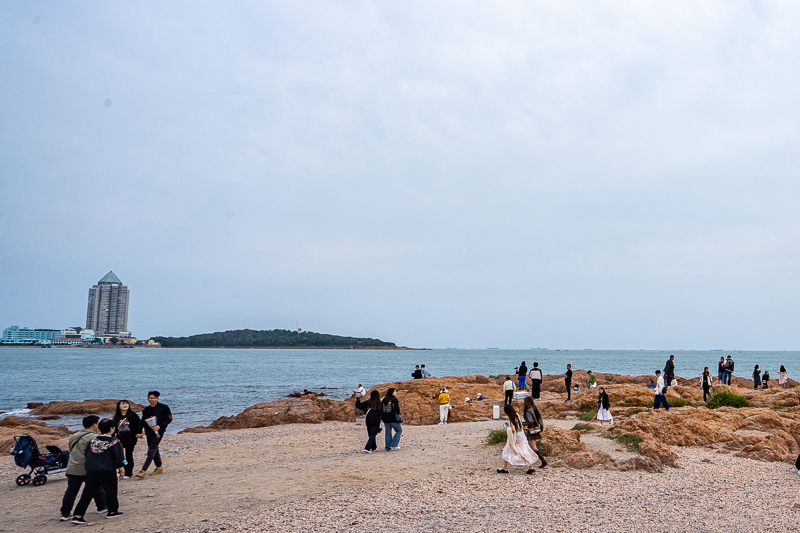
26	455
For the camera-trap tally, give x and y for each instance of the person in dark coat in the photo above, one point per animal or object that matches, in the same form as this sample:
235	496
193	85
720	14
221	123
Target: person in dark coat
372	408
105	460
390	414
155	419
756	378
128	425
417	374
568	383
669	370
705	381
522	371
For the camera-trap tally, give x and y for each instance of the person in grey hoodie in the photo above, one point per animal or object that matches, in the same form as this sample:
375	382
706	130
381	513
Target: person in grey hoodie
76	474
105	465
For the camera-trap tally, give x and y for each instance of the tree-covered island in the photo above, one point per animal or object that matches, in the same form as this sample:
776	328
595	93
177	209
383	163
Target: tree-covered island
275	338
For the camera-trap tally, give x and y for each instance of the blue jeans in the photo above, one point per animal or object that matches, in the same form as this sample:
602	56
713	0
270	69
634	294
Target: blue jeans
726	378
392	442
659	400
522	384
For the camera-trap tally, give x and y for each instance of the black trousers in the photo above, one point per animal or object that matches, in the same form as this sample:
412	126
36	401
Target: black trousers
568	384
153	440
129	446
509	397
96	480
536	388
73	488
706	388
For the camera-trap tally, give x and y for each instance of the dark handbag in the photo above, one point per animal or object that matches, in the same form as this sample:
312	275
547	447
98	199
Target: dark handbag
664	390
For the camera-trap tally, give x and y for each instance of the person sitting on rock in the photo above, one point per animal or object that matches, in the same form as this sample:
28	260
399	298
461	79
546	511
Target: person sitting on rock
592	380
417	373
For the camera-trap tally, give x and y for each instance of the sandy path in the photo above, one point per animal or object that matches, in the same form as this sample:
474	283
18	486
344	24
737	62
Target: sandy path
315	478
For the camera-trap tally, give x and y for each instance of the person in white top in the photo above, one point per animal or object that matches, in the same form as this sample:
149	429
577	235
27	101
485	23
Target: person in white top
536	381
508	390
660	398
360	391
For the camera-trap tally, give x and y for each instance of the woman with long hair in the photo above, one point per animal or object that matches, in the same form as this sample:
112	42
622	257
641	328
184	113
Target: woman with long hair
372	408
756	378
705	381
782	377
721	370
533	426
127	424
517	451
603	406
390	413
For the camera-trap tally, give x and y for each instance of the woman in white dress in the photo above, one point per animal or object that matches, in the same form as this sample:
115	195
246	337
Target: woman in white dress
782	377
517	451
603	406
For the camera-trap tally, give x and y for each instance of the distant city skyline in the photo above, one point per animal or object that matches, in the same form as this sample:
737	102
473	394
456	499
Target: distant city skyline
618	175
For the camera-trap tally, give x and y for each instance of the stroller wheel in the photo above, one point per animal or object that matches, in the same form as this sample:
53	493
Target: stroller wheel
23	479
39	480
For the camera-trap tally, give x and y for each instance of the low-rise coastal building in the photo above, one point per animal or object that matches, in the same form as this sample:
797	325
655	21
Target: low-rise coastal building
18	335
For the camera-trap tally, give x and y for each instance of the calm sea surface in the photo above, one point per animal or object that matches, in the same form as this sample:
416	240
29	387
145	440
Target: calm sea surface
201	385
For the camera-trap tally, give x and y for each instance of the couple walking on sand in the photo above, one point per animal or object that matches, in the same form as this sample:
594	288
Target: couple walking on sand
518	450
386	411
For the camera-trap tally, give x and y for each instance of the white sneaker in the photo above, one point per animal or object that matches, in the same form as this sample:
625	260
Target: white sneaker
367	451
794	469
126	477
395	448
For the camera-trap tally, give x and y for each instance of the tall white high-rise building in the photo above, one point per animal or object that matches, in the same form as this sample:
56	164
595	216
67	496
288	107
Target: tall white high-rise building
107	313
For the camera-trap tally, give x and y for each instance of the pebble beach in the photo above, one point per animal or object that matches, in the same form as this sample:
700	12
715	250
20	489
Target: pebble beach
315	477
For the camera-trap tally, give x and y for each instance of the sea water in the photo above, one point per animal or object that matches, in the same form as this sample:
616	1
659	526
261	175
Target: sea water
201	385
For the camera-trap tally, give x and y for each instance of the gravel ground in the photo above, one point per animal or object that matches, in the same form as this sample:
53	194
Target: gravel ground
316	478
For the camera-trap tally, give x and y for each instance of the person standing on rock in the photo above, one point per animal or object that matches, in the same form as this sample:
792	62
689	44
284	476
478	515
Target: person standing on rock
568	383
721	370
128	425
155	419
534	425
756	378
603	407
372	408
669	370
782	377
508	391
444	405
523	376
661	390
536	381
765	379
76	473
390	413
705	381
729	365
517	451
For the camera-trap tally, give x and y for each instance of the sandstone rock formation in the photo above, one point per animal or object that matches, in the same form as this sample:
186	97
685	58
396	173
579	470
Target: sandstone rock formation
86	407
43	433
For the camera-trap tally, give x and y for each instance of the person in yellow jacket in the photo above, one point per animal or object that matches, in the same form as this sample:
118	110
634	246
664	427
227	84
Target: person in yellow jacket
444	406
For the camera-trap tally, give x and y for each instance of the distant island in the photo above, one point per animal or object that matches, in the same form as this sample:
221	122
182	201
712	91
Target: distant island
275	338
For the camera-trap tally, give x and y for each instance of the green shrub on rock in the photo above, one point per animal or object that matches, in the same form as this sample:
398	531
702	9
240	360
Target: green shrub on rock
497	436
726	398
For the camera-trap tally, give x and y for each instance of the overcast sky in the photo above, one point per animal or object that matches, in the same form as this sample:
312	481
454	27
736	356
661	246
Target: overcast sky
436	174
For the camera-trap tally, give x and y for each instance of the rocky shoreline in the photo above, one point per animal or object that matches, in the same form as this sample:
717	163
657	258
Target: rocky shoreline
768	430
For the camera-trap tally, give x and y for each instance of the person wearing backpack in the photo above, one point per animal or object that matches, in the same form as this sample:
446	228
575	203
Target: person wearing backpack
105	466
372	408
444	405
729	365
76	473
390	414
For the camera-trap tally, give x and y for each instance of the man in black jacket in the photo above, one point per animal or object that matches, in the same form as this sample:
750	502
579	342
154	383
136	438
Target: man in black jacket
522	371
105	464
669	370
155	419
